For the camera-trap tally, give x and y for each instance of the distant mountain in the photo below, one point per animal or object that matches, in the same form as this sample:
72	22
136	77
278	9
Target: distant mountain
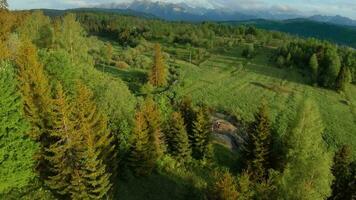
339	20
187	12
344	35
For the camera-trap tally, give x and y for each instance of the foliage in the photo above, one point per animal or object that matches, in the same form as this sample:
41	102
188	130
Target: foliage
16	149
177	138
308	171
158	74
257	151
342	184
224	187
201	139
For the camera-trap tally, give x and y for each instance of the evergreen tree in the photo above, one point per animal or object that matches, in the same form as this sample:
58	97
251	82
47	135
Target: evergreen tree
342	79
343	175
153	119
313	66
308	171
177	138
224	187
16	149
35	90
97	149
62	155
158	75
200	141
258	147
188	113
141	159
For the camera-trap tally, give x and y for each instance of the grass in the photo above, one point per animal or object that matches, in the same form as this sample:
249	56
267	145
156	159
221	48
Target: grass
222	83
229	82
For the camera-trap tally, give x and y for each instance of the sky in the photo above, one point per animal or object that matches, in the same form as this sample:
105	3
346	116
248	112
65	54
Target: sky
304	7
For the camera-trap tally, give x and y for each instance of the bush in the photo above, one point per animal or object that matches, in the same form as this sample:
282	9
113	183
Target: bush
122	65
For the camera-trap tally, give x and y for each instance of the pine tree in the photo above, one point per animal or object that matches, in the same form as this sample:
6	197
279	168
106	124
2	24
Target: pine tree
314	65
200	141
16	149
153	119
224	187
258	147
158	76
141	159
62	155
342	79
307	174
188	113
177	138
35	90
97	150
343	175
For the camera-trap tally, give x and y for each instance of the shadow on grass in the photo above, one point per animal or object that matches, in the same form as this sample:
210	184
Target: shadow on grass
156	187
133	78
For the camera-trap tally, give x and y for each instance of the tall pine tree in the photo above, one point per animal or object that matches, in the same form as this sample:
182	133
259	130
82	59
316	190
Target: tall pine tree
141	159
16	149
158	74
177	138
62	155
201	140
341	187
258	147
153	119
97	150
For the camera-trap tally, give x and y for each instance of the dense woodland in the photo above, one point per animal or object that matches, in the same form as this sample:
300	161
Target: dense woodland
71	129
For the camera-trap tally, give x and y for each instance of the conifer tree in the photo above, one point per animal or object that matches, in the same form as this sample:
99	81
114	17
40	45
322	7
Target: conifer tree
313	65
177	138
97	146
35	91
343	175
34	87
200	141
16	149
342	79
141	159
158	74
224	187
188	113
62	155
153	119
308	171
257	149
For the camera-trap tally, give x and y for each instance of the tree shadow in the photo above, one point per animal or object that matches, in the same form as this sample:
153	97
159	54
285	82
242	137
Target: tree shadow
157	187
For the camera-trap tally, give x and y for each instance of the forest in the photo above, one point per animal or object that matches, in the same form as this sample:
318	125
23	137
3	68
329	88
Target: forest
97	105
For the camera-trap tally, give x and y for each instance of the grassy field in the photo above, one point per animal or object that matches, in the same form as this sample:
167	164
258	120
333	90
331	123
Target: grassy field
228	82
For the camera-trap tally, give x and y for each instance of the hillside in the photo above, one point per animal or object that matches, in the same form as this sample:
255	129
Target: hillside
344	35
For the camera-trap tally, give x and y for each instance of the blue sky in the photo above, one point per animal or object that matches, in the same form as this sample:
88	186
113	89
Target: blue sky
306	7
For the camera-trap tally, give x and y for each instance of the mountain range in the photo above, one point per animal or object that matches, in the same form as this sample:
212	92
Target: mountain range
195	13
